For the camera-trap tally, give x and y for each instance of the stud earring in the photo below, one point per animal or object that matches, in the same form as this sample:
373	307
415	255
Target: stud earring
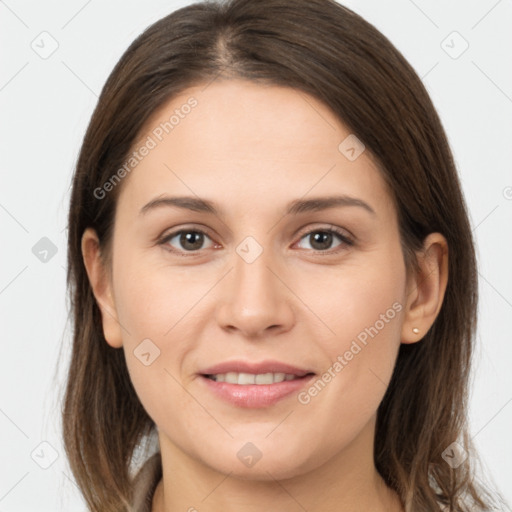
415	330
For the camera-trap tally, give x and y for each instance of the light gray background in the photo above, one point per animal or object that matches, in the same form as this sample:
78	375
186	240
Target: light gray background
46	104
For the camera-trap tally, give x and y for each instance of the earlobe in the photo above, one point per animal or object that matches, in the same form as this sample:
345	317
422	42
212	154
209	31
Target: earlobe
426	289
101	287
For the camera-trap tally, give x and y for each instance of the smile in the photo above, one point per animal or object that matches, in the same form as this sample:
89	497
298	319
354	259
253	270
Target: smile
244	379
254	390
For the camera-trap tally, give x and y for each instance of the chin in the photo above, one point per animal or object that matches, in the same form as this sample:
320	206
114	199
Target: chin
246	461
262	471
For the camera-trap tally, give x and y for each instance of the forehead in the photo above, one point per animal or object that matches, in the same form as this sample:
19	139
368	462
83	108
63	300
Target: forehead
233	138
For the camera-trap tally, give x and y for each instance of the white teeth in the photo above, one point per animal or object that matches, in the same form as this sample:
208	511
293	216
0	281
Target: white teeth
279	377
264	378
230	378
246	378
250	378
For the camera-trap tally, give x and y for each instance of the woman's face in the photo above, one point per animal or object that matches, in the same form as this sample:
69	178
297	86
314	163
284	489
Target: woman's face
266	284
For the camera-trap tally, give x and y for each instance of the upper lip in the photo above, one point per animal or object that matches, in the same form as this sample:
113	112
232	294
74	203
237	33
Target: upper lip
254	368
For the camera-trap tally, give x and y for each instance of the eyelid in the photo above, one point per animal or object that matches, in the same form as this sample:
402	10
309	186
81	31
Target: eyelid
344	233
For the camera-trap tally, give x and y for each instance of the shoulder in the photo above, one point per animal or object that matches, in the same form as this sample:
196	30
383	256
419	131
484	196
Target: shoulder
145	482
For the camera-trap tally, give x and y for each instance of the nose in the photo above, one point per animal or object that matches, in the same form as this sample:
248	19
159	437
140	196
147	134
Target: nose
255	300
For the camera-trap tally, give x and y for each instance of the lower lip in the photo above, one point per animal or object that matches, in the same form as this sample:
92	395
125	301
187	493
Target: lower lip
255	395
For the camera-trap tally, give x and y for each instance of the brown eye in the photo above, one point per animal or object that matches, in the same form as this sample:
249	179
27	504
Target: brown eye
322	239
186	240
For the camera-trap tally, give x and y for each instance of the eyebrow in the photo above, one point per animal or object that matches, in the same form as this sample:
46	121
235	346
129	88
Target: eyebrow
295	207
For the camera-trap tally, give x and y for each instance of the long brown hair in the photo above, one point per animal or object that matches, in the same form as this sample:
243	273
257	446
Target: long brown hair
326	50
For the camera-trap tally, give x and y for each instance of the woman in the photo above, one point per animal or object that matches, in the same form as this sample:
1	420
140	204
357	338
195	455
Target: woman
272	271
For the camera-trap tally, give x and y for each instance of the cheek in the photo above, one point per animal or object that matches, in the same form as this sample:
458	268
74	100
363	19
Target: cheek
370	309
152	299
361	300
152	306
363	312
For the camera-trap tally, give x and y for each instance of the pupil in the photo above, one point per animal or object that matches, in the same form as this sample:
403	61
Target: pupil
323	239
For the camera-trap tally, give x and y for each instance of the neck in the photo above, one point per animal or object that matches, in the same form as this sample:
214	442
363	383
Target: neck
347	481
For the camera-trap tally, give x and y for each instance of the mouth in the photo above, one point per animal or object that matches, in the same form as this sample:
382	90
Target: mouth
245	379
254	385
248	368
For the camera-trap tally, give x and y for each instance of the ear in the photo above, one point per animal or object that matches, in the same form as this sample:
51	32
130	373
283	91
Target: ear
101	285
426	288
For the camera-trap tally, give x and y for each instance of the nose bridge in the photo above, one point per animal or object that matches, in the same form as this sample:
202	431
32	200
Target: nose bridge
251	273
255	299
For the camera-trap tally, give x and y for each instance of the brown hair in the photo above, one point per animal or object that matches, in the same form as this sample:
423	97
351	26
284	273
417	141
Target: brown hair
328	51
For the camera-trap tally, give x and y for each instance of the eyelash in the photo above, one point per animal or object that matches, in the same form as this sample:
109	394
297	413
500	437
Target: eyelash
346	241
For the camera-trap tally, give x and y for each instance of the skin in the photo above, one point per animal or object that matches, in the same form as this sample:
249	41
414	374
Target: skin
252	149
